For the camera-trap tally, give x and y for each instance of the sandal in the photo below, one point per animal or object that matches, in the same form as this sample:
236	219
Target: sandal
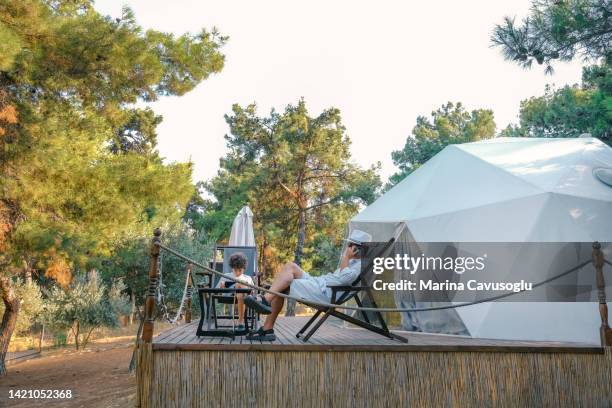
260	305
262	335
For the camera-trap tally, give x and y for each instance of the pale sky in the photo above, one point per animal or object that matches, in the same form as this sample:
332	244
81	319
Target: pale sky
381	63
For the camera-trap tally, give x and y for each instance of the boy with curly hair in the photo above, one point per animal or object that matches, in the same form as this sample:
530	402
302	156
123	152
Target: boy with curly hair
238	262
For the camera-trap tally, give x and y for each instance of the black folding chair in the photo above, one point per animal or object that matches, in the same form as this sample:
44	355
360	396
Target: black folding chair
210	295
230	298
342	294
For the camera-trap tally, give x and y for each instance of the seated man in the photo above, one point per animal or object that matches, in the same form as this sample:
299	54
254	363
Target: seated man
238	263
304	286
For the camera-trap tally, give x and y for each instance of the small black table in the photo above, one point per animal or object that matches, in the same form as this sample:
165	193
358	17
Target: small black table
205	295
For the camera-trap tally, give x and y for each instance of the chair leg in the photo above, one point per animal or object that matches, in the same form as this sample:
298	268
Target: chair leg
363	313
252	317
379	316
214	313
316	326
247	317
202	314
308	323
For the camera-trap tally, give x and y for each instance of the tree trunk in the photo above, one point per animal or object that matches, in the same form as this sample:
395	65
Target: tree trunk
86	339
299	252
9	319
28	274
76	335
262	258
290	308
42	338
133	306
301	239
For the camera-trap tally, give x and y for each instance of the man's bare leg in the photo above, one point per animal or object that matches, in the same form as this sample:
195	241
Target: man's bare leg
277	306
240	305
283	279
282	282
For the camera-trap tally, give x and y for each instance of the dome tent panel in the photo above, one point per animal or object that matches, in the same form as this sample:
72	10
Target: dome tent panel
590	218
454	181
463	181
507	190
504	221
393	205
555	321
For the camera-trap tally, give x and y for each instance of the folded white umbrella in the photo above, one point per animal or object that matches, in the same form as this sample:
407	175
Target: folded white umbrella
242	233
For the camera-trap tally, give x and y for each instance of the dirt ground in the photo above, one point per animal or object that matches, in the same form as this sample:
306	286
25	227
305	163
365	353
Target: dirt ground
97	377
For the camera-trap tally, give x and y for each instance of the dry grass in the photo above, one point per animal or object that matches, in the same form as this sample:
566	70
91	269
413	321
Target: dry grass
128	332
360	379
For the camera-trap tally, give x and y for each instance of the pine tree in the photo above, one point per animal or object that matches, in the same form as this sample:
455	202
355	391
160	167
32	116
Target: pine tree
295	172
78	166
450	124
564	30
558	30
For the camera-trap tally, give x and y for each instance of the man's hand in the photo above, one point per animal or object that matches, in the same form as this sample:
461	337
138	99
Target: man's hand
349	253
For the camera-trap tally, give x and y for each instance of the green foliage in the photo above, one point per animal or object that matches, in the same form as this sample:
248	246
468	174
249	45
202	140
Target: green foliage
30	311
130	261
86	305
138	133
326	255
60	339
9	47
195	210
571	110
558	30
295	172
450	124
79	168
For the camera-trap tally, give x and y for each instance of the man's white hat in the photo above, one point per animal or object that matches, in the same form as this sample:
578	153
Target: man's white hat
359	237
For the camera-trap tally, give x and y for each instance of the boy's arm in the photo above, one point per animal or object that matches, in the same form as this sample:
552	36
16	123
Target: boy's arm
241	286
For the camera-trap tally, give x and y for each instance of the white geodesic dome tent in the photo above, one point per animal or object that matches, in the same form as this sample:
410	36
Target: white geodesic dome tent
505	190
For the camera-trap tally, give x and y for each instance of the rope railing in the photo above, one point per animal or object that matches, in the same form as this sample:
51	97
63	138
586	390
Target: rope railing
598	261
161	298
365	309
184	298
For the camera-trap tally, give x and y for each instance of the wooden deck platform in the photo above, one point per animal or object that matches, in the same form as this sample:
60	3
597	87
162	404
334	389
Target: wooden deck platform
334	337
351	367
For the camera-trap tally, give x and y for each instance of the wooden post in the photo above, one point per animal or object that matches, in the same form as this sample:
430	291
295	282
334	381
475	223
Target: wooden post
147	329
598	261
189	290
144	365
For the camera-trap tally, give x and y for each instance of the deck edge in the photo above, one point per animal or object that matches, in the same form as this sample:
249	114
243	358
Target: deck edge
378	348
